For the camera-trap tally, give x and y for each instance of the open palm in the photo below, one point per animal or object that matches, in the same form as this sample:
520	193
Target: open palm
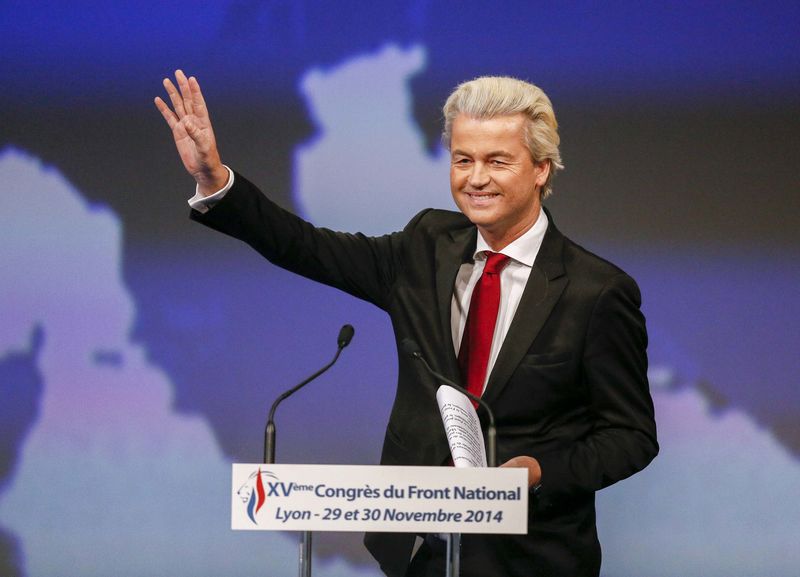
194	136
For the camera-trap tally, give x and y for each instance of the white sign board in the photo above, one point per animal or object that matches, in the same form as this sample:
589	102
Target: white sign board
379	498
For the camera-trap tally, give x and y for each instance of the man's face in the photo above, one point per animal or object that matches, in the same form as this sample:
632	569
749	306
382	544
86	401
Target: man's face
493	179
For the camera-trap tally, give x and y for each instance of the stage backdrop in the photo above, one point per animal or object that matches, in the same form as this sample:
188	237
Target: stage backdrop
139	352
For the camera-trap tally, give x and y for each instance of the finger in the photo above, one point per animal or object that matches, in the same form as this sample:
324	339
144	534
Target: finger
191	129
165	111
198	102
195	134
175	98
186	93
525	462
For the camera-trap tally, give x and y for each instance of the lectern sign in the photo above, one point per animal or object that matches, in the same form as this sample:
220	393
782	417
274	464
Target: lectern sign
364	498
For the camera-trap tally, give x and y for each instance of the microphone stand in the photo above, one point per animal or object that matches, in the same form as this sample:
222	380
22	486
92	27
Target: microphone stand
410	347
345	336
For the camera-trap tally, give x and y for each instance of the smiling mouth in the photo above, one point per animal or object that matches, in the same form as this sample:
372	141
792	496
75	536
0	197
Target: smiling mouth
481	195
481	199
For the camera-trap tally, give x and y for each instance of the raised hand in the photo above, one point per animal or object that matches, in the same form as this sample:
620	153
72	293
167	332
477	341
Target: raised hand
194	137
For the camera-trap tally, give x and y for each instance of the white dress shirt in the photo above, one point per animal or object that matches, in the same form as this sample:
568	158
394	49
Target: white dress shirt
202	203
513	278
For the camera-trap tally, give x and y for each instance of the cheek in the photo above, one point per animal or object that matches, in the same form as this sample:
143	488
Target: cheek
456	181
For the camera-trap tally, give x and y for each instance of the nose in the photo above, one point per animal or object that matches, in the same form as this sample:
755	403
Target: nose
478	176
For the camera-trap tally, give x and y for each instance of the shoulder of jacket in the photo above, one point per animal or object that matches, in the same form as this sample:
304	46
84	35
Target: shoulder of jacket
434	220
580	261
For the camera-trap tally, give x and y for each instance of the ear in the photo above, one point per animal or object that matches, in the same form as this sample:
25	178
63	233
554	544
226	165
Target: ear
542	172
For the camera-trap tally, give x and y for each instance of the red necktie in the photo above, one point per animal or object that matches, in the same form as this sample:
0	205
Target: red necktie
473	356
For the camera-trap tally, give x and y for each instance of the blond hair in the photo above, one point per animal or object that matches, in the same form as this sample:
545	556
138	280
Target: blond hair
490	96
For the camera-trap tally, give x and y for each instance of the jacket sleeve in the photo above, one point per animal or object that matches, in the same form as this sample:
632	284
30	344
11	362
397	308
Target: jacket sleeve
362	266
622	437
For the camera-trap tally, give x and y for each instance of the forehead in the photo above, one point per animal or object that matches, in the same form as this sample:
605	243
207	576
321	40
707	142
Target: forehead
472	134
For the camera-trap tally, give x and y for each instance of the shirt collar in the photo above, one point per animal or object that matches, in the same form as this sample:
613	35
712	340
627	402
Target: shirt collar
524	249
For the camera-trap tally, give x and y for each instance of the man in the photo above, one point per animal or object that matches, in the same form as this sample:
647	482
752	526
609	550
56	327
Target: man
495	296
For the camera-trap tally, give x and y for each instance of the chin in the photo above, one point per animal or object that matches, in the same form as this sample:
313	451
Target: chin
483	218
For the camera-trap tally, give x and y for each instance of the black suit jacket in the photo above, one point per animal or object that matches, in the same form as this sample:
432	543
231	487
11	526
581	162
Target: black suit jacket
569	386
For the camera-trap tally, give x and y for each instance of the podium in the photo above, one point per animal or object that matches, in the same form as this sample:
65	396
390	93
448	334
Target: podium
268	497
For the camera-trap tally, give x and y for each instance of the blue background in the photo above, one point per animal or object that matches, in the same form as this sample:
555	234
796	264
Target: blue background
679	126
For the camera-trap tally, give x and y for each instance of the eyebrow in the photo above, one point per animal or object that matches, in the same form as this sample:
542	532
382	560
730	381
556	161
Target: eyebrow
493	153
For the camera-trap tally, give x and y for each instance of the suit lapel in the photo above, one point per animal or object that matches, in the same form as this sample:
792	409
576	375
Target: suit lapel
544	287
452	250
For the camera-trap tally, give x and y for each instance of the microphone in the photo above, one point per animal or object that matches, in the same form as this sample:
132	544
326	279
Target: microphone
411	348
345	336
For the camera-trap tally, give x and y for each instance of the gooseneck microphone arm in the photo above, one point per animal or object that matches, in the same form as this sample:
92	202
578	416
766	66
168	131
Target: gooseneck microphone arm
345	336
411	348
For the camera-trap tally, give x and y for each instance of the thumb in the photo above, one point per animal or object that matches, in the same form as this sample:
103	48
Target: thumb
191	127
524	462
198	136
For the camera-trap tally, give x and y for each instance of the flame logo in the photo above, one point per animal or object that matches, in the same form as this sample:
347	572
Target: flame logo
252	493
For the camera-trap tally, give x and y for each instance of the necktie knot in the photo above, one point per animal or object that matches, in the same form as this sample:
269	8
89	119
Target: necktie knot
494	262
